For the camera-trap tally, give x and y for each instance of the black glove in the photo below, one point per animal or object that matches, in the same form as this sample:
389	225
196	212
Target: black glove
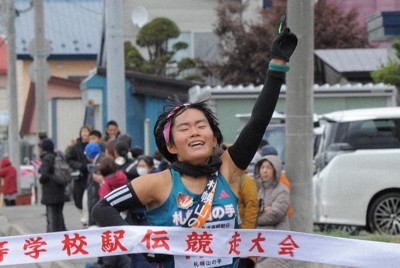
284	45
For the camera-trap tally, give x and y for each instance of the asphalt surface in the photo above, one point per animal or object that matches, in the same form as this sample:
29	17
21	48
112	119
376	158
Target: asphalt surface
31	219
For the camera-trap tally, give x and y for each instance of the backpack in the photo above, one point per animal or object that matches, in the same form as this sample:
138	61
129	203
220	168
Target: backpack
62	171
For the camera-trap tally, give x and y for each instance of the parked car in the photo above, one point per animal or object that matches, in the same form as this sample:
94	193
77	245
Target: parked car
357	179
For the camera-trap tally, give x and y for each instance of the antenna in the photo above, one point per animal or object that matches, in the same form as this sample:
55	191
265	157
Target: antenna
139	16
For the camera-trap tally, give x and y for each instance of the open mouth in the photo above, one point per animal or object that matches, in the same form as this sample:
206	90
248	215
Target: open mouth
196	143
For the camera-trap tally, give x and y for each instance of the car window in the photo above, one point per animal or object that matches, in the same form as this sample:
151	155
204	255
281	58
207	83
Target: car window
275	135
374	134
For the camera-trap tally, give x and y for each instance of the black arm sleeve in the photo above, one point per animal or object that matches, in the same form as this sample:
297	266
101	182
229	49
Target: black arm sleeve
106	211
244	148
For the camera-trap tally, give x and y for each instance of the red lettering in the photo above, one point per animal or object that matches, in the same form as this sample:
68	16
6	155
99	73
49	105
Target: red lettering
110	243
197	243
34	246
234	244
74	245
256	243
287	246
156	239
3	250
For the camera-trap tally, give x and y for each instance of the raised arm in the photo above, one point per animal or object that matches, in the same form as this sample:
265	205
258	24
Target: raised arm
244	148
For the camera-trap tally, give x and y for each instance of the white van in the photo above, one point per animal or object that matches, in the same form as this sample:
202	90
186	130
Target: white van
357	179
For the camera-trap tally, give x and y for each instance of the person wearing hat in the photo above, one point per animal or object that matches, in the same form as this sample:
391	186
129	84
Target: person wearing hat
90	196
52	192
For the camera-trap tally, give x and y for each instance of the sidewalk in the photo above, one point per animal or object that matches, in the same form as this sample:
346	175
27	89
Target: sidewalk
31	219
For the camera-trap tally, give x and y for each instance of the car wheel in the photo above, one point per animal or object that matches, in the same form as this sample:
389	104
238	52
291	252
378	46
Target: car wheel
384	214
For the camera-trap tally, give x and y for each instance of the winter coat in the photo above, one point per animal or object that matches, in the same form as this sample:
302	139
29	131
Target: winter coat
129	168
112	182
9	175
52	192
93	190
273	194
77	160
248	202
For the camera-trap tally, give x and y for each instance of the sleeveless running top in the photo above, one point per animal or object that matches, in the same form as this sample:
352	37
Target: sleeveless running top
176	210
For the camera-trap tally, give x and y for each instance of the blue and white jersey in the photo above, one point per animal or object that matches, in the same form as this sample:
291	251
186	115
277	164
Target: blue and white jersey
179	205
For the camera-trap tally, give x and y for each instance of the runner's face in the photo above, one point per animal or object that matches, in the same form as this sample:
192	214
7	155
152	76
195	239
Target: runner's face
193	138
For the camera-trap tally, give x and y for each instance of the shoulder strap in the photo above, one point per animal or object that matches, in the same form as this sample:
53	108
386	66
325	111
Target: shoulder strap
202	211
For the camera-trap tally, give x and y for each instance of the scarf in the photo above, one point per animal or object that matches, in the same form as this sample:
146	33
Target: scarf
197	171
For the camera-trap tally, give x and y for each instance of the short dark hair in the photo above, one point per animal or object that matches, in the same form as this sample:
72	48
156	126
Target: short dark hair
147	159
173	108
112	123
95	133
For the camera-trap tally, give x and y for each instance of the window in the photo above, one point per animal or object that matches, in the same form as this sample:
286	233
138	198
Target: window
267	3
374	134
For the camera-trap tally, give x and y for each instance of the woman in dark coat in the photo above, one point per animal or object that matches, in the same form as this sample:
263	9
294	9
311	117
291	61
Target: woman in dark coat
52	192
78	162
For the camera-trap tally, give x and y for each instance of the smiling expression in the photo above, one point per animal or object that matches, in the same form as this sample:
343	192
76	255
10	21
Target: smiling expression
193	138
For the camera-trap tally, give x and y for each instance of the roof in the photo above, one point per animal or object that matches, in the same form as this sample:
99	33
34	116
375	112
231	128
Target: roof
73	27
353	59
154	85
363	114
3	56
239	91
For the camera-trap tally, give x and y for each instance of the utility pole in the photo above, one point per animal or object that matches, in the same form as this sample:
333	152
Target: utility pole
116	100
13	136
40	49
299	115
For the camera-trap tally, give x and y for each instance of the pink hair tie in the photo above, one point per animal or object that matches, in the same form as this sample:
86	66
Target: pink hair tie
167	126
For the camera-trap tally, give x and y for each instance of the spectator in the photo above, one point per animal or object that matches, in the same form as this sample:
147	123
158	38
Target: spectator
110	148
112	131
247	206
95	136
248	211
124	160
270	150
76	159
274	200
159	161
145	165
90	196
257	155
52	192
8	177
112	177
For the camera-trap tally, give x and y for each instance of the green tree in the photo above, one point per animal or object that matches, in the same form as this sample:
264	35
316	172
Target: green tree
390	73
154	37
245	47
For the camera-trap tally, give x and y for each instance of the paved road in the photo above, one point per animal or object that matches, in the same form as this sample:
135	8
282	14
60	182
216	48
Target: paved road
30	219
